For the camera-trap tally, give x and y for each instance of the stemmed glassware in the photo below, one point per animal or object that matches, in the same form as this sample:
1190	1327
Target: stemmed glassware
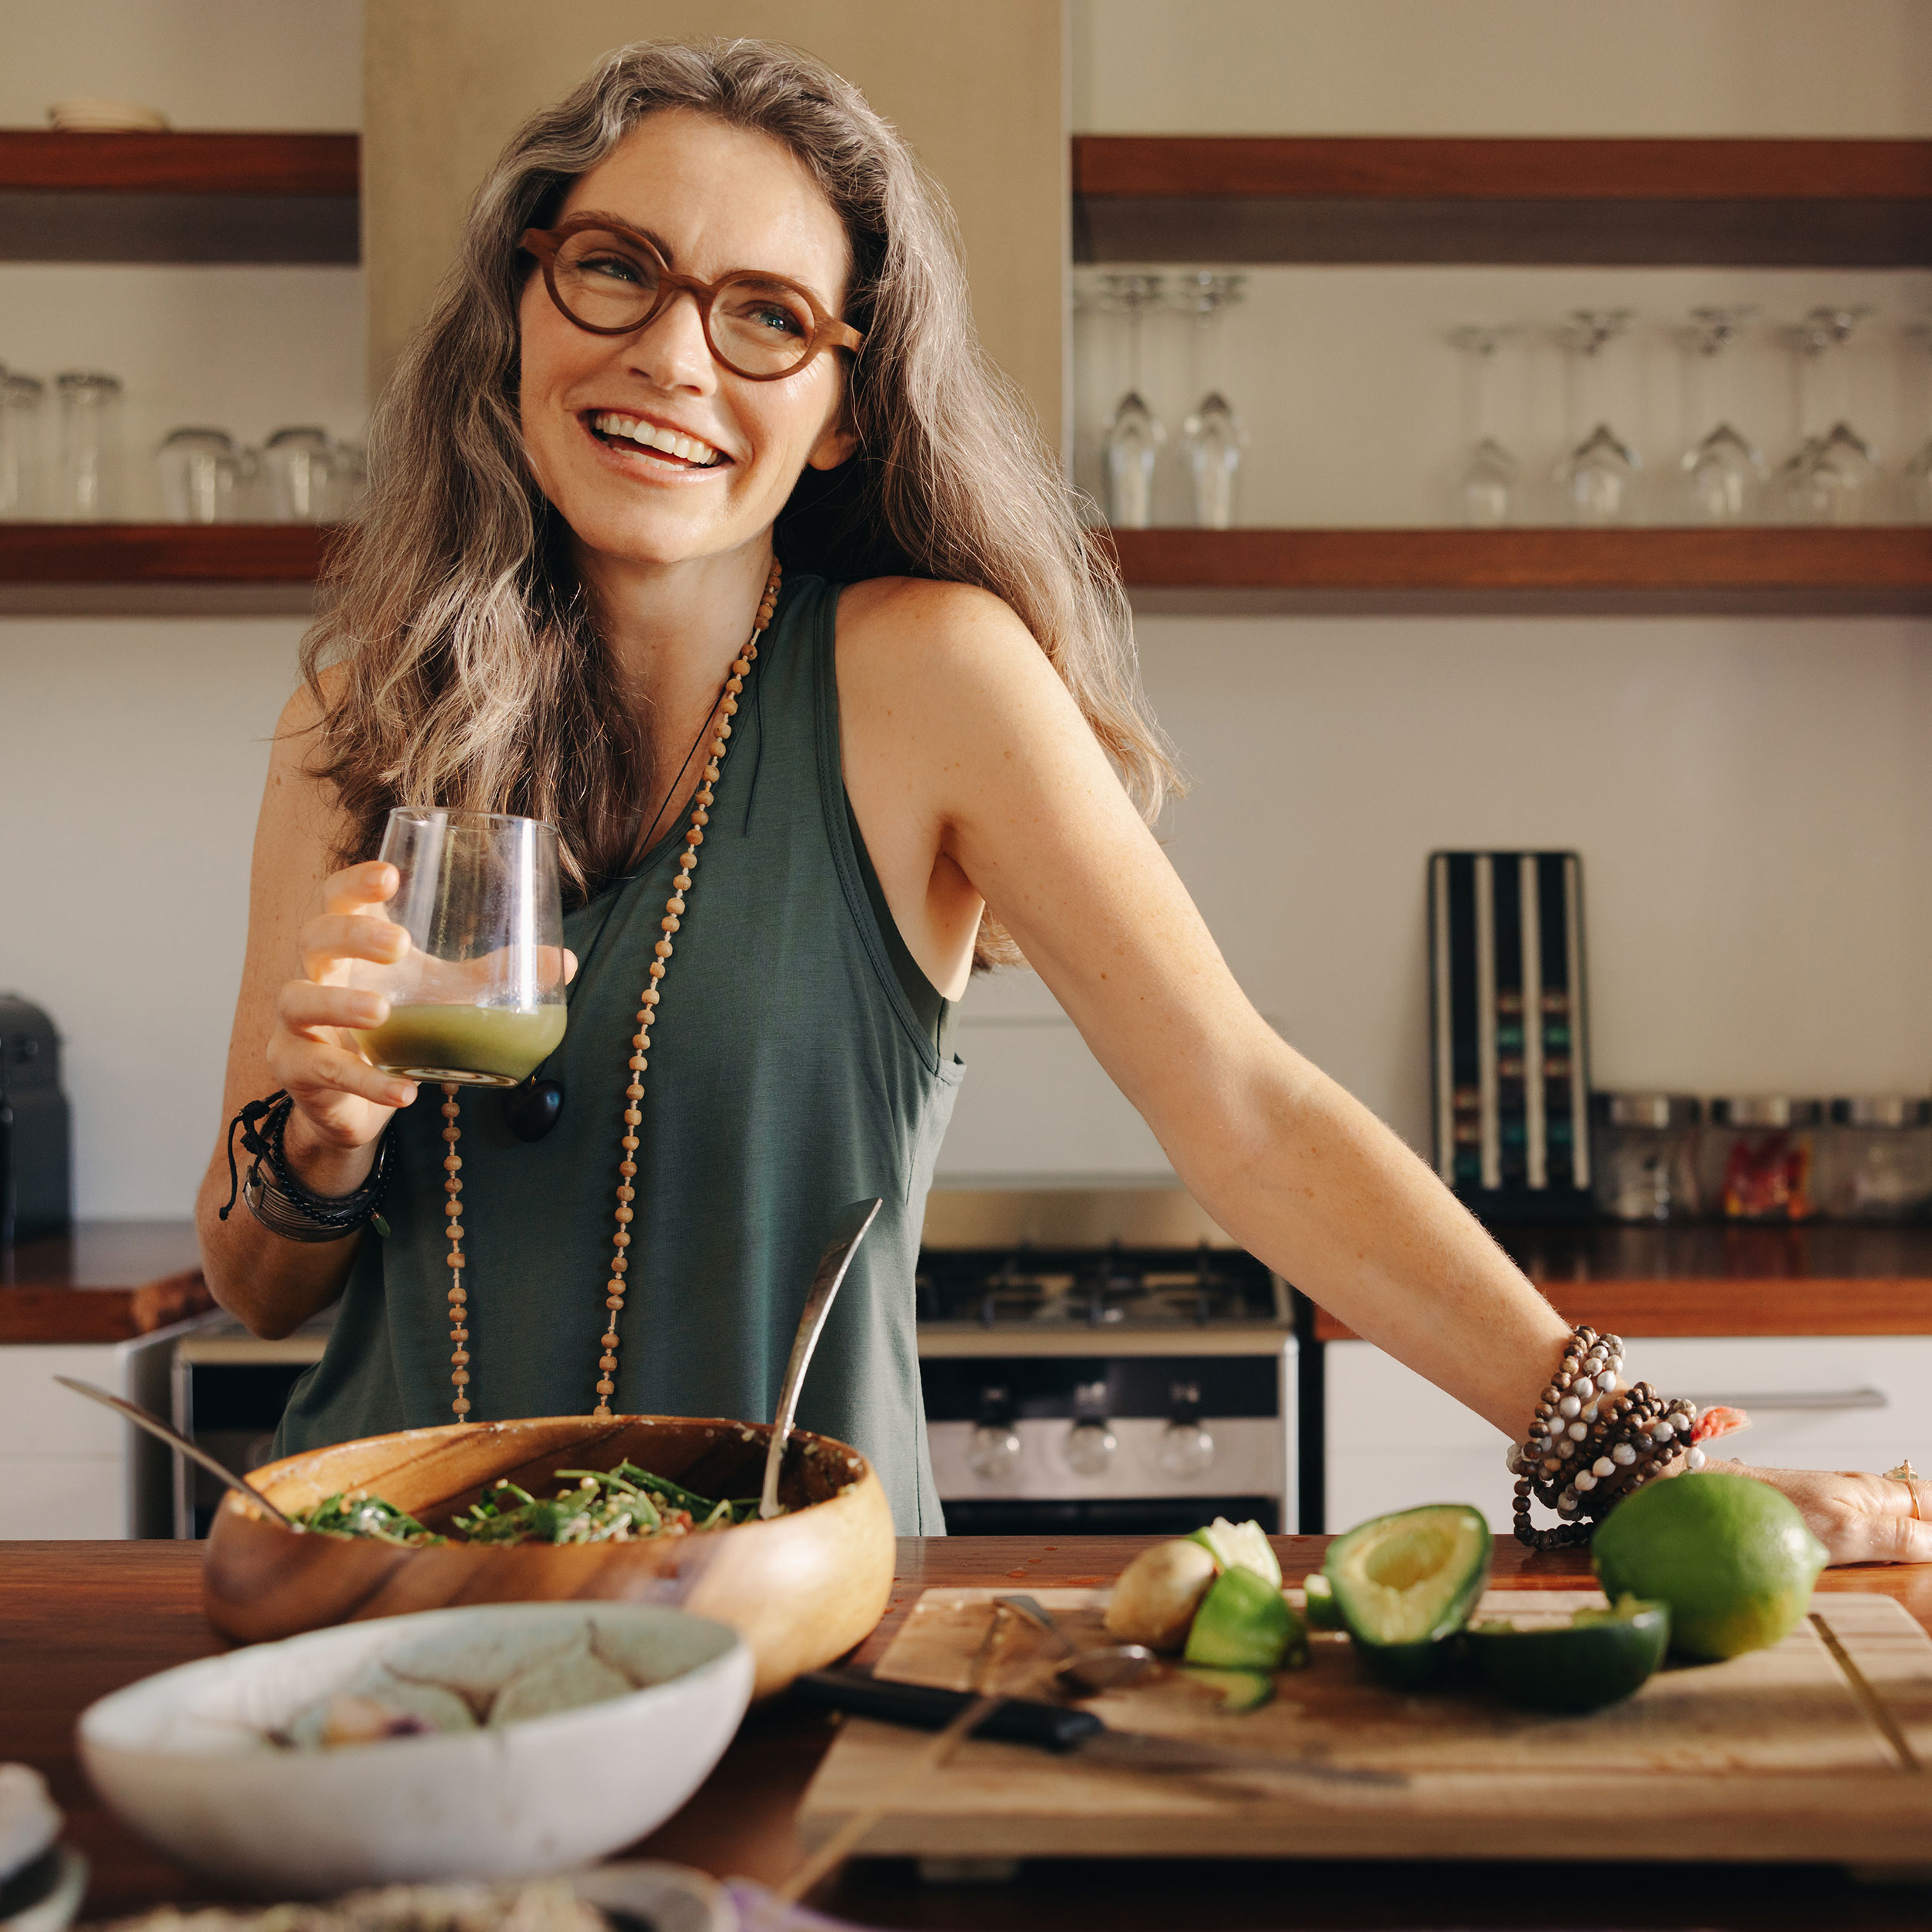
1915	479
1599	474
1213	435
1131	437
1487	484
1832	476
1723	470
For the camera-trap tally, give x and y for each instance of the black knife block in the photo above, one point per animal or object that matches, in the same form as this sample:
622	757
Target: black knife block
1508	1033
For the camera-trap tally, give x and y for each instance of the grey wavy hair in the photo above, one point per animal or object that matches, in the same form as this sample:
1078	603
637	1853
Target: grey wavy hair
465	667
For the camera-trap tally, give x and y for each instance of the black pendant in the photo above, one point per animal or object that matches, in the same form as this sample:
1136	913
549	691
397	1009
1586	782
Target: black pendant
532	1109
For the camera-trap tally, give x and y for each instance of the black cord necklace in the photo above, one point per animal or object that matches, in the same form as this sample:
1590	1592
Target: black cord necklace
532	1108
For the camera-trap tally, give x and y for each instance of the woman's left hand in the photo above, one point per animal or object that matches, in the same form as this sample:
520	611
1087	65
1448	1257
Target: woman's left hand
1859	1518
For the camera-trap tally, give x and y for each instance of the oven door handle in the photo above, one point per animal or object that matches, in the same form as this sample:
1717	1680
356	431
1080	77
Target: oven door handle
1798	1400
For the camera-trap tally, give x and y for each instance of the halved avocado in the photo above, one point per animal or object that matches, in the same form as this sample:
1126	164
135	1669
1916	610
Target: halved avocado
1245	1624
1599	1656
1323	1613
1405	1585
1244	1545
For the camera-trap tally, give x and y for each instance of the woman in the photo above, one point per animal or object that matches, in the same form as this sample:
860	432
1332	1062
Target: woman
586	465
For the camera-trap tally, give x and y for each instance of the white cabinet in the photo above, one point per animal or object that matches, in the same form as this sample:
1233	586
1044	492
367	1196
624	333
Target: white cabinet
1392	1440
68	1467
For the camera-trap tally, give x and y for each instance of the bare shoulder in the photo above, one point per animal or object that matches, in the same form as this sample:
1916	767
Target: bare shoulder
933	645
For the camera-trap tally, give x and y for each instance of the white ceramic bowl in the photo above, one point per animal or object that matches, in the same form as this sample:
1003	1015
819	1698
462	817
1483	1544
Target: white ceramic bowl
188	1756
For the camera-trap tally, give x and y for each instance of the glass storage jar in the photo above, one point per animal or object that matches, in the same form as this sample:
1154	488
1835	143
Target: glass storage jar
87	487
1759	1157
1878	1158
1644	1156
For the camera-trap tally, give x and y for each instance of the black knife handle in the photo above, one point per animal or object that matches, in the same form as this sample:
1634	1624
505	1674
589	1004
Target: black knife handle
923	1706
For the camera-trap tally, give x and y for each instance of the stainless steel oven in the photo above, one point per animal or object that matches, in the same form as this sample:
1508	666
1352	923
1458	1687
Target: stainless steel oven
1099	1360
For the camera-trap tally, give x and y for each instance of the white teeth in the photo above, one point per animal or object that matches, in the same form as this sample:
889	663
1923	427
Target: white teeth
687	448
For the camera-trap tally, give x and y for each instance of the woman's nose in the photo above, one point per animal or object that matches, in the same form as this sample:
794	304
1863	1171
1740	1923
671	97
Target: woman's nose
672	351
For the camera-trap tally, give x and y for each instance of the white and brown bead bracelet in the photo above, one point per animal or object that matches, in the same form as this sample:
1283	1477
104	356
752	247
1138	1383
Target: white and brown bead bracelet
1592	1442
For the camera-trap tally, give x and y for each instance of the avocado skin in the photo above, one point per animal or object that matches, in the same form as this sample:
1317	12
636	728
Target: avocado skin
1574	1668
1412	1667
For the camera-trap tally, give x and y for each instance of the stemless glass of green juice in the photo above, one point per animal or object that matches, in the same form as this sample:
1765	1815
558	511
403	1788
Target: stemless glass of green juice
478	998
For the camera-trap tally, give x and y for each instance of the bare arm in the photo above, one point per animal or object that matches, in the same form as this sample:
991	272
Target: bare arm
965	750
303	925
965	744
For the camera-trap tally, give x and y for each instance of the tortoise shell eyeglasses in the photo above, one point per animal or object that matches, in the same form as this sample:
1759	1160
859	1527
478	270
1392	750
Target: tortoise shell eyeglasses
611	279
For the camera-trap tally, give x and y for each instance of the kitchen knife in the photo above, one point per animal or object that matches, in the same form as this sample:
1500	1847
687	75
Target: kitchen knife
1062	1730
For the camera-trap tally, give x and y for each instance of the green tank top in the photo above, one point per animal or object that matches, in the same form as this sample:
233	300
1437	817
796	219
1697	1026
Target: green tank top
791	1073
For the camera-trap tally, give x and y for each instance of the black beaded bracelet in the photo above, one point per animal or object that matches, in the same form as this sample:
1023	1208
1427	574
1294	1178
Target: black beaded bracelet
279	1200
1591	1443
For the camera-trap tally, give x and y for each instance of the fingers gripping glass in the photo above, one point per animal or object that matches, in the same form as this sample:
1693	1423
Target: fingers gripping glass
612	280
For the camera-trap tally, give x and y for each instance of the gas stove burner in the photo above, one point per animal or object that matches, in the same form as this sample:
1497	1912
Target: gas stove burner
1113	1287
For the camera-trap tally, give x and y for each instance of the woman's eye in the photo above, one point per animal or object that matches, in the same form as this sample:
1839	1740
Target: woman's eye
776	316
614	267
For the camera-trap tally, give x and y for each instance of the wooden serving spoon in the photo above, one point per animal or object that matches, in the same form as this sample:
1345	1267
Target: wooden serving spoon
147	1419
848	1231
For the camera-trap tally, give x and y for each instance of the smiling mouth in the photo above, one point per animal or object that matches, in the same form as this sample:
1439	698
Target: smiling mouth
632	435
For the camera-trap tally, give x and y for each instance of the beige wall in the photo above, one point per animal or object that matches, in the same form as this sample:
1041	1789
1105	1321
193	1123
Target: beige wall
977	89
1502	67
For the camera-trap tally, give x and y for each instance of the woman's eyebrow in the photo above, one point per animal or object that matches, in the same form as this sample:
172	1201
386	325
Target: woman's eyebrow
611	220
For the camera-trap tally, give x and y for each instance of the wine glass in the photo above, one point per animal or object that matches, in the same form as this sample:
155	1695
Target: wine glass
1915	479
477	1000
1599	474
1213	435
1723	471
1487	484
1832	476
1131	437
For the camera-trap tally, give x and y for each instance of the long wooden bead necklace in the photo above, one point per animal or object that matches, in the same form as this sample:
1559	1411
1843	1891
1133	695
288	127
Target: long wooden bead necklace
722	713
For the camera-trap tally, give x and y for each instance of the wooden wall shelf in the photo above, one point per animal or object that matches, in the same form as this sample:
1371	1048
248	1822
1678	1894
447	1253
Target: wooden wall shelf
1778	570
1822	1279
158	569
179	197
1199	197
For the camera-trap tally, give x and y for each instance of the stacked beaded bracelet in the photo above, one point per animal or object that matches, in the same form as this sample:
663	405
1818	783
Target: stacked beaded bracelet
1592	1444
278	1200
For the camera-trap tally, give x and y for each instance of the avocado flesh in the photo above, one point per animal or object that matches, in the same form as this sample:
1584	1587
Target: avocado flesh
1245	1624
1406	1584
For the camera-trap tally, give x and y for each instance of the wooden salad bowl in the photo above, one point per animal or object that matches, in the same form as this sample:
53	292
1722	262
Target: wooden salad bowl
801	1589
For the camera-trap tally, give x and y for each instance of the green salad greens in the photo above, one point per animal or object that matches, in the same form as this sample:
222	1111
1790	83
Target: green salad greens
622	1505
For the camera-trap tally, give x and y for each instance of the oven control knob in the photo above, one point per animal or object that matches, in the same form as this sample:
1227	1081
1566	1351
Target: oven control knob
1090	1448
1187	1450
993	1451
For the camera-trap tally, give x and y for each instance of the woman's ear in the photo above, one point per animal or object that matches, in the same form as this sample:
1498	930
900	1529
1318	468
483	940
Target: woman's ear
835	446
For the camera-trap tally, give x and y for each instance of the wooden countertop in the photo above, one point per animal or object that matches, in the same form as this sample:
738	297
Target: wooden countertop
1817	1278
77	1619
102	1281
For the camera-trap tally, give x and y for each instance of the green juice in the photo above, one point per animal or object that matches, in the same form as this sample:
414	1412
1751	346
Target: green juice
481	1046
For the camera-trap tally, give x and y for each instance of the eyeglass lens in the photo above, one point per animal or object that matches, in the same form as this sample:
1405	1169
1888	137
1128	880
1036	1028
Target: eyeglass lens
758	326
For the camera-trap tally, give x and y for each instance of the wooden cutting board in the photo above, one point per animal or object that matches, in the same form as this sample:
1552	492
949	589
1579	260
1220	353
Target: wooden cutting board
1819	1749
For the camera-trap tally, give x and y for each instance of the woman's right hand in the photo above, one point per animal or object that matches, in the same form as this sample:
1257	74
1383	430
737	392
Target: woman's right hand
341	1103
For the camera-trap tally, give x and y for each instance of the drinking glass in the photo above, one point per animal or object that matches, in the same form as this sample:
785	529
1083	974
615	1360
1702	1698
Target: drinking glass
1724	470
1131	437
1833	475
20	463
349	482
1915	479
478	998
1599	474
298	465
88	490
1213	435
201	470
1487	484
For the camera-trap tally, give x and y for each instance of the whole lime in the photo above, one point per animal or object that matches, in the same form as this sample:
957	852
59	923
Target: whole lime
1729	1555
